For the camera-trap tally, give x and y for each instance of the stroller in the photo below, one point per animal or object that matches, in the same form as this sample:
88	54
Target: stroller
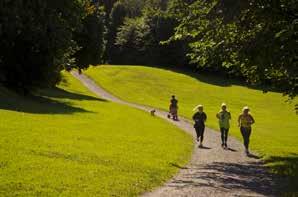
173	112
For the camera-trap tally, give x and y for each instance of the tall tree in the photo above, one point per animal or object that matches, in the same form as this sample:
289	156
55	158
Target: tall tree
90	37
255	39
116	19
37	40
108	5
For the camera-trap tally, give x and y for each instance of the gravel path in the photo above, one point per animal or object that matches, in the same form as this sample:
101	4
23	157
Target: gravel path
212	170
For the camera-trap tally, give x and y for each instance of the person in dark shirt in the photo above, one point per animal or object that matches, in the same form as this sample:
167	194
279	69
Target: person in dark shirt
200	118
174	108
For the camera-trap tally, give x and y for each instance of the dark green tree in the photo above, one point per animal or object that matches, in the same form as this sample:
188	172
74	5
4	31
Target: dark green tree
253	39
37	40
132	39
116	19
162	27
107	4
90	38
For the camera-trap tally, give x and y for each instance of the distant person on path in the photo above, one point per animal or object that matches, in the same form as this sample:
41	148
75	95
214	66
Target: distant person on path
224	117
173	108
245	120
200	118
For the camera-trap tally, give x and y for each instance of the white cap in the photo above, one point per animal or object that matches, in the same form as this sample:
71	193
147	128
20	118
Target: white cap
245	108
223	104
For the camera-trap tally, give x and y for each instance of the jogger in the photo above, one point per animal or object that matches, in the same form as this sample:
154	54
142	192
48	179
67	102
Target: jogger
245	131
224	117
200	118
224	136
245	120
200	133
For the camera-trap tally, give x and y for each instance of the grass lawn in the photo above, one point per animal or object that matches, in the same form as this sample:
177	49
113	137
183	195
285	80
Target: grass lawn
274	135
70	143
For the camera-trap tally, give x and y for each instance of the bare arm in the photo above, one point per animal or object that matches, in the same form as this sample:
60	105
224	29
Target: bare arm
252	119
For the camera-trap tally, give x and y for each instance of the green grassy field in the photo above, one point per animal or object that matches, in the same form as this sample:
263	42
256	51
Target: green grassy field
70	143
274	134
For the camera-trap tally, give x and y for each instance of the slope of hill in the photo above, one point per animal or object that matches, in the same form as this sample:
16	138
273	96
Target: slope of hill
274	134
69	142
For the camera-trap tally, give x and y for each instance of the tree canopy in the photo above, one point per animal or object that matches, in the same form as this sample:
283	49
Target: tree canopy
252	40
38	40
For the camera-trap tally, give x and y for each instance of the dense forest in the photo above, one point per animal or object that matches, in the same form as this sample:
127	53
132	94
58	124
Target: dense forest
254	40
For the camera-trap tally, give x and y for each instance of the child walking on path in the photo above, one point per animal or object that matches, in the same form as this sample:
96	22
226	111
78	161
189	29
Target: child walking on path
245	120
200	118
224	117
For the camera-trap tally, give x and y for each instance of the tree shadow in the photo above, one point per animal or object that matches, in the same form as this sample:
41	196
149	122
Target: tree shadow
61	93
178	166
250	155
286	166
250	177
43	102
219	79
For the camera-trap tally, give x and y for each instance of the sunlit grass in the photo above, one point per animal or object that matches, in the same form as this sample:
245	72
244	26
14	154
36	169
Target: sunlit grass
70	143
274	134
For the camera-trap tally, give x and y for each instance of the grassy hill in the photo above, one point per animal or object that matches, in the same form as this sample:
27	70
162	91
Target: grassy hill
274	134
67	142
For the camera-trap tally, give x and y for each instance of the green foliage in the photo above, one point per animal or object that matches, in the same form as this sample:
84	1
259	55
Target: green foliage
90	38
70	143
254	39
107	4
132	39
37	40
116	19
135	33
161	29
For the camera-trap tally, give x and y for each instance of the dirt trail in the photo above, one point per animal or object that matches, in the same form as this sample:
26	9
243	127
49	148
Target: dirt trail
212	170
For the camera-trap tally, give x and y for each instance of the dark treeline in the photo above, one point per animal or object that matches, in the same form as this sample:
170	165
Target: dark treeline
254	40
136	30
40	38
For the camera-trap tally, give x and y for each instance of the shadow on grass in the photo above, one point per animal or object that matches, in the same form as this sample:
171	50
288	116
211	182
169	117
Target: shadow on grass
60	93
42	103
178	166
286	166
218	79
250	155
77	158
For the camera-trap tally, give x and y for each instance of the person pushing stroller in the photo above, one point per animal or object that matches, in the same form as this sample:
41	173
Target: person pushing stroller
173	109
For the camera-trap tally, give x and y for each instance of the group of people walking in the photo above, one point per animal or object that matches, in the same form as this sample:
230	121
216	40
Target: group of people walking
245	120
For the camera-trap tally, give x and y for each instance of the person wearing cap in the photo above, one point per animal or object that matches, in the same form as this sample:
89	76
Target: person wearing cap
224	117
200	118
245	120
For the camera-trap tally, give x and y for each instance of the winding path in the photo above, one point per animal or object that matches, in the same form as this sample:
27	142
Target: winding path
212	171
